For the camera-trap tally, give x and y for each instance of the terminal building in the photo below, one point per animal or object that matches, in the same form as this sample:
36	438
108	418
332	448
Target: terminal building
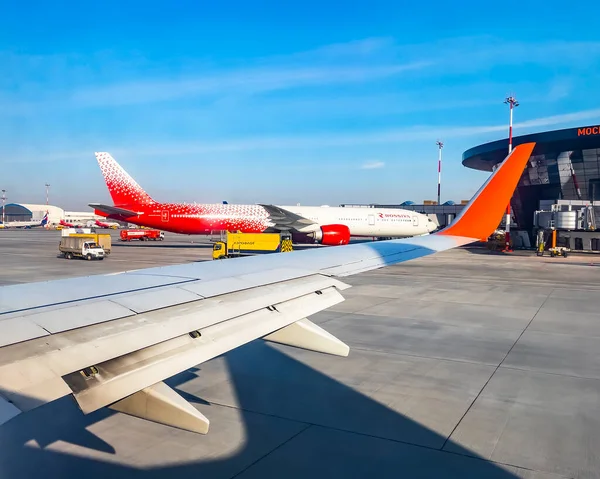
559	188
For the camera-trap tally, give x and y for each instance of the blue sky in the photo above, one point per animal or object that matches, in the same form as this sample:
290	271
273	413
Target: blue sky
281	102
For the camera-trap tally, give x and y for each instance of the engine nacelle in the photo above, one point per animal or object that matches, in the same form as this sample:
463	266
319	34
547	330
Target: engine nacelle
332	235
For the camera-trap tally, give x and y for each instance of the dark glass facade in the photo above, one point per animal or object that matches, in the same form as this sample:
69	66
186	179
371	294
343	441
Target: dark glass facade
15	212
565	164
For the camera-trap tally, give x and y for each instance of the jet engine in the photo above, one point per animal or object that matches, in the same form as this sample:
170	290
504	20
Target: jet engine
332	235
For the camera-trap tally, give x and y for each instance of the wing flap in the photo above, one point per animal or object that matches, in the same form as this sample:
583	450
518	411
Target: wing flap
15	330
31	296
77	316
30	369
158	298
123	376
216	287
76	312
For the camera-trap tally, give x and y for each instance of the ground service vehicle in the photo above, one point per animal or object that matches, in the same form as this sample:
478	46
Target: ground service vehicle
142	235
103	240
243	244
80	247
554	250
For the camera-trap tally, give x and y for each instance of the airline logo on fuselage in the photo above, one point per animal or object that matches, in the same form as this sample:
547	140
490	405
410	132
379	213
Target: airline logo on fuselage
393	215
591	130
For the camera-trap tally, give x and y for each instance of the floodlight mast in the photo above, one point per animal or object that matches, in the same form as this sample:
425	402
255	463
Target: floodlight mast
440	145
512	102
3	207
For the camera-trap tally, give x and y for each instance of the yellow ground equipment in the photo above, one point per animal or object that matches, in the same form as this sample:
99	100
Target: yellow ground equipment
244	244
553	250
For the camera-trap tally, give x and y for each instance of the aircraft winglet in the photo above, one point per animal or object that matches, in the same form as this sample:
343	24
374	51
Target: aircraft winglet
480	218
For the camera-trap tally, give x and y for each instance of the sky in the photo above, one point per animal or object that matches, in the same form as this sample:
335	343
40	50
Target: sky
281	102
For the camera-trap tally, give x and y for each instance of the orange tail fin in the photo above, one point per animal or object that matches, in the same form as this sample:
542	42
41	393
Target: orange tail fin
483	213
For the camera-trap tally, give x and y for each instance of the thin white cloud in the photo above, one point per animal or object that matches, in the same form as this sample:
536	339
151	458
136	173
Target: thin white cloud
73	80
236	81
372	165
390	136
560	89
354	48
484	51
560	119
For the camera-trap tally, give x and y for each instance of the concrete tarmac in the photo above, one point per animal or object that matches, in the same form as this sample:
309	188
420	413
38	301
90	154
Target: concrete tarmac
465	364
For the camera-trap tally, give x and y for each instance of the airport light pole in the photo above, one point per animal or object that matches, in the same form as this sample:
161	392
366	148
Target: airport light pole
512	102
440	145
3	207
47	194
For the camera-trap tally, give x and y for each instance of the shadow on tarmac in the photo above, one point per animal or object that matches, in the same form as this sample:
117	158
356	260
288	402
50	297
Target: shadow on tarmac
329	430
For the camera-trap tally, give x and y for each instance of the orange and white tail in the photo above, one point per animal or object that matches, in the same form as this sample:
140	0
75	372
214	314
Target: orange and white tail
484	212
122	188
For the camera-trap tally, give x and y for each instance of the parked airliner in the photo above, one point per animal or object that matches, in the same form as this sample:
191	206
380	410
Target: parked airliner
103	224
25	224
307	224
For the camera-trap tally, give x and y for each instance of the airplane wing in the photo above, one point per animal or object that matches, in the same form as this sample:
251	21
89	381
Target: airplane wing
285	220
113	210
110	340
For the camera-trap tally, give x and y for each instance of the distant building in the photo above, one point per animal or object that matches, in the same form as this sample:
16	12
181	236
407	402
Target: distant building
30	212
564	165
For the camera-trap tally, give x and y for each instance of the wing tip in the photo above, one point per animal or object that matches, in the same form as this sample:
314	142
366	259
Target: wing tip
481	216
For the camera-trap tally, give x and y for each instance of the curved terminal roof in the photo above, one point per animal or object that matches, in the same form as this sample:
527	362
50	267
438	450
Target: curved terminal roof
43	208
484	157
31	212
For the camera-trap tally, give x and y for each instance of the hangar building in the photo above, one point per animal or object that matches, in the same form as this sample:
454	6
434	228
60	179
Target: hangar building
31	212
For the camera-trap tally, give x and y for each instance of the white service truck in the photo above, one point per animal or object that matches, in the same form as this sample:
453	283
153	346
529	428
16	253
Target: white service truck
80	247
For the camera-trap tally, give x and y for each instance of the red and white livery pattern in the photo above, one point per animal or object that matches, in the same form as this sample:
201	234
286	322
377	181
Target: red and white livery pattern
331	226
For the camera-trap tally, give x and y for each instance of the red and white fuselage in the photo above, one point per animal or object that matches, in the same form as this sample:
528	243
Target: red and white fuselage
327	225
206	218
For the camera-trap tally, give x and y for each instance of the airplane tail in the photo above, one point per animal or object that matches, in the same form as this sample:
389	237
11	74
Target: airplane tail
44	221
122	188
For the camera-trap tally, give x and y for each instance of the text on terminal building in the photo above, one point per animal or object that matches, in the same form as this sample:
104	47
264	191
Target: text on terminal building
590	130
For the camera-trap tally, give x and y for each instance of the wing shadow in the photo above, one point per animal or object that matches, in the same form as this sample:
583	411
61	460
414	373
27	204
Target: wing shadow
294	421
